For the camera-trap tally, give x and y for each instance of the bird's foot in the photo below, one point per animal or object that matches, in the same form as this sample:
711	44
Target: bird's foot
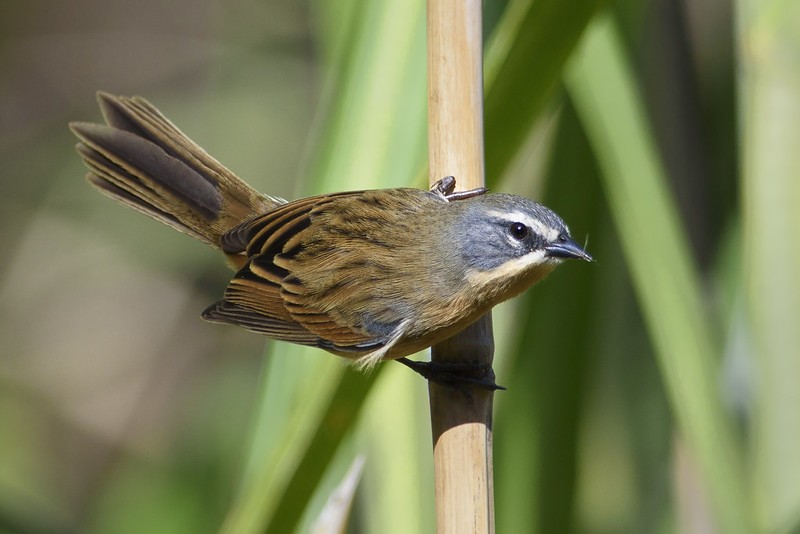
456	374
445	188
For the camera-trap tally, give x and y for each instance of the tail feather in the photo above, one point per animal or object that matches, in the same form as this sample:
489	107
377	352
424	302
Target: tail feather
144	161
142	194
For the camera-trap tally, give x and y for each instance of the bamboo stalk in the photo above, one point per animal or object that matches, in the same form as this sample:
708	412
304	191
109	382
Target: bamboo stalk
461	420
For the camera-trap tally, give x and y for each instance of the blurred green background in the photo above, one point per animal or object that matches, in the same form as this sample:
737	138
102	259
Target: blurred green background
656	390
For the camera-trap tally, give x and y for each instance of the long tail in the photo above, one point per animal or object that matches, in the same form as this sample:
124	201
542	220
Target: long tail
142	160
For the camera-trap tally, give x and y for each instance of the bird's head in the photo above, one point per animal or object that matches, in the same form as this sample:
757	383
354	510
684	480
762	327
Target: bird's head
506	243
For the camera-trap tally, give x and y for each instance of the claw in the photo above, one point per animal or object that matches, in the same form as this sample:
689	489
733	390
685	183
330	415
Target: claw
455	373
445	188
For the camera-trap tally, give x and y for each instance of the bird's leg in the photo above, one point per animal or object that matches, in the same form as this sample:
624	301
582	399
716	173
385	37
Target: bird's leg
455	373
445	188
461	195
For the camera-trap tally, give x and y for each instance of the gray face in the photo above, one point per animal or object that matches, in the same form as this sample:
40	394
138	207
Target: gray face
497	228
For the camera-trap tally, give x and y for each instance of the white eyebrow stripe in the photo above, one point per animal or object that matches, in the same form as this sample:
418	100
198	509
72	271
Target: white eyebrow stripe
535	224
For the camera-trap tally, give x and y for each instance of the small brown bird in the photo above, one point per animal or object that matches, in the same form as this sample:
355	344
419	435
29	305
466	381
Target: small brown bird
367	275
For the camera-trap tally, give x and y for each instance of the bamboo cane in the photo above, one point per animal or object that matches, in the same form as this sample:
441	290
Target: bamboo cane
461	419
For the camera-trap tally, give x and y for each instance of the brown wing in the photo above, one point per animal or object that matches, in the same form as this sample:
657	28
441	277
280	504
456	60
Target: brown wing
256	298
267	233
255	303
348	273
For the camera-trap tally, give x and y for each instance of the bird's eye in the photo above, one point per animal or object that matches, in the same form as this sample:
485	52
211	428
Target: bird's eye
519	231
562	238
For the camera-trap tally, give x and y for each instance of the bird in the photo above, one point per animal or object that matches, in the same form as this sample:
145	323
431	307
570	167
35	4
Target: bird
367	275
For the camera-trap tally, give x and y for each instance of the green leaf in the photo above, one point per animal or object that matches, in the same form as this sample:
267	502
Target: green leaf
523	68
371	134
769	84
666	282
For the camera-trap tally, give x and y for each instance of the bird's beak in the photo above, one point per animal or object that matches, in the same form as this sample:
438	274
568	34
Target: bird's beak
567	249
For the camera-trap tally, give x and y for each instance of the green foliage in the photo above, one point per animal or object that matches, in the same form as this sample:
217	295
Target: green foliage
663	274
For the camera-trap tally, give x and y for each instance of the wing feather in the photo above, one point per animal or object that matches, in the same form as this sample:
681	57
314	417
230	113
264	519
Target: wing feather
267	233
225	311
319	272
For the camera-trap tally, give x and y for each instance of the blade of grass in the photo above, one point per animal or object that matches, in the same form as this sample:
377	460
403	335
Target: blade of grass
523	71
334	517
369	136
769	48
343	408
296	389
538	426
397	494
376	98
600	82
